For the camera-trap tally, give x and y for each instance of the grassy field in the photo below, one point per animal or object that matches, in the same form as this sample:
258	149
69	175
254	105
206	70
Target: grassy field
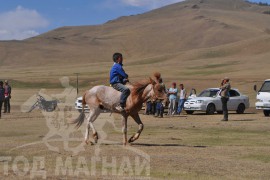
195	146
182	147
204	42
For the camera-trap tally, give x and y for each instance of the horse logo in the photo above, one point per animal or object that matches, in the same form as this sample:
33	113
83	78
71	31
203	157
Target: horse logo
58	111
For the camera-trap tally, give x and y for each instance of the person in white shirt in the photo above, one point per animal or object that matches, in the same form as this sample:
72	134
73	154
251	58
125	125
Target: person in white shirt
172	98
182	98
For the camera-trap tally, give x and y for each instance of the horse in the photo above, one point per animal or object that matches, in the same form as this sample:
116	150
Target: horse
105	97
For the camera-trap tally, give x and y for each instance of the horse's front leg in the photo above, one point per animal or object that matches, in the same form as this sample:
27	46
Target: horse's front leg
136	136
124	130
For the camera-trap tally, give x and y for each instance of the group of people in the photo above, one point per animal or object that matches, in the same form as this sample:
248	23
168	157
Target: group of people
155	107
5	96
174	108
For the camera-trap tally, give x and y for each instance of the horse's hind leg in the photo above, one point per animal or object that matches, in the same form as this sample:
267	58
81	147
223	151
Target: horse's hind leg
93	114
136	136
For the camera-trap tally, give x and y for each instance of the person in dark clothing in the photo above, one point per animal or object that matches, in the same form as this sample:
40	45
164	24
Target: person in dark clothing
2	97
225	88
148	107
7	97
118	79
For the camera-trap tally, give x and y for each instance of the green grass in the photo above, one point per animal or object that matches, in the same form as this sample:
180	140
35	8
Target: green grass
149	61
210	69
213	66
53	85
173	145
206	72
228	137
214	54
182	175
212	136
265	158
29	85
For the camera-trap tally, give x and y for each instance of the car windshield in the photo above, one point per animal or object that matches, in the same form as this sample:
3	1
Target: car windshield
265	87
209	93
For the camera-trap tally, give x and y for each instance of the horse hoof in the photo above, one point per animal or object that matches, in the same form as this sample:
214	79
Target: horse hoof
130	140
89	142
95	136
127	144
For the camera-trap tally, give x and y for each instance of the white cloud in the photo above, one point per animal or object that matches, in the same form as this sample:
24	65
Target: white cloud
20	24
150	4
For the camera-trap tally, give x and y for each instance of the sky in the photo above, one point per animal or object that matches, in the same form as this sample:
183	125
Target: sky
21	19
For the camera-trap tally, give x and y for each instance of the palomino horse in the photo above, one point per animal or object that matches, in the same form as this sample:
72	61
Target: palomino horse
100	97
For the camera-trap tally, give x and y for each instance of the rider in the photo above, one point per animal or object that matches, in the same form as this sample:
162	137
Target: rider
118	79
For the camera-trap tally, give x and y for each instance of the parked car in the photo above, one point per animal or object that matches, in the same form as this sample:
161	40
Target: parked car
209	101
78	105
263	97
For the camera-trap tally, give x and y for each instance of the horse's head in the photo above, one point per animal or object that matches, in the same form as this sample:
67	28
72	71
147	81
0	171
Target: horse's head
151	88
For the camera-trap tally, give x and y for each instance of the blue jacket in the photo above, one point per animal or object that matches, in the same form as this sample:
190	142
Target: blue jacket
117	74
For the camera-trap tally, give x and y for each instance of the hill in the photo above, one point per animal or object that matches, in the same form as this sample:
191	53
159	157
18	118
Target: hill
191	40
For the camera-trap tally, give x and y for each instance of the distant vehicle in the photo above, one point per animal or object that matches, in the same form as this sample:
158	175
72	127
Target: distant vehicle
78	105
263	97
209	101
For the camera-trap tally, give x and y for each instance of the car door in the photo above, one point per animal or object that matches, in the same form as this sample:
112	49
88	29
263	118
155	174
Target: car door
234	100
218	102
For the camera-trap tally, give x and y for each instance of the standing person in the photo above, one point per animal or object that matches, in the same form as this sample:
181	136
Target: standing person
118	79
225	88
159	106
148	107
7	97
182	98
172	98
2	96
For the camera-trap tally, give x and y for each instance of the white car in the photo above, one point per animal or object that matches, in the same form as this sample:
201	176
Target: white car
78	105
263	97
209	101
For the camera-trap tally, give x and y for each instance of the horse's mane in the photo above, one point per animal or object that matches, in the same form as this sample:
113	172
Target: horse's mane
138	87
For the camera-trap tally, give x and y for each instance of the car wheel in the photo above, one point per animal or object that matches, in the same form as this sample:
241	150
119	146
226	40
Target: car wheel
266	112
210	109
220	112
241	109
189	112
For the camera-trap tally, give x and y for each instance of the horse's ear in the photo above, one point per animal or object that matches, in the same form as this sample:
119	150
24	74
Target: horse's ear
152	81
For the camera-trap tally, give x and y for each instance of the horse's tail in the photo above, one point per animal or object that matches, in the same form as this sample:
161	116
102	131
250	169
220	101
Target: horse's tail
79	121
83	102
